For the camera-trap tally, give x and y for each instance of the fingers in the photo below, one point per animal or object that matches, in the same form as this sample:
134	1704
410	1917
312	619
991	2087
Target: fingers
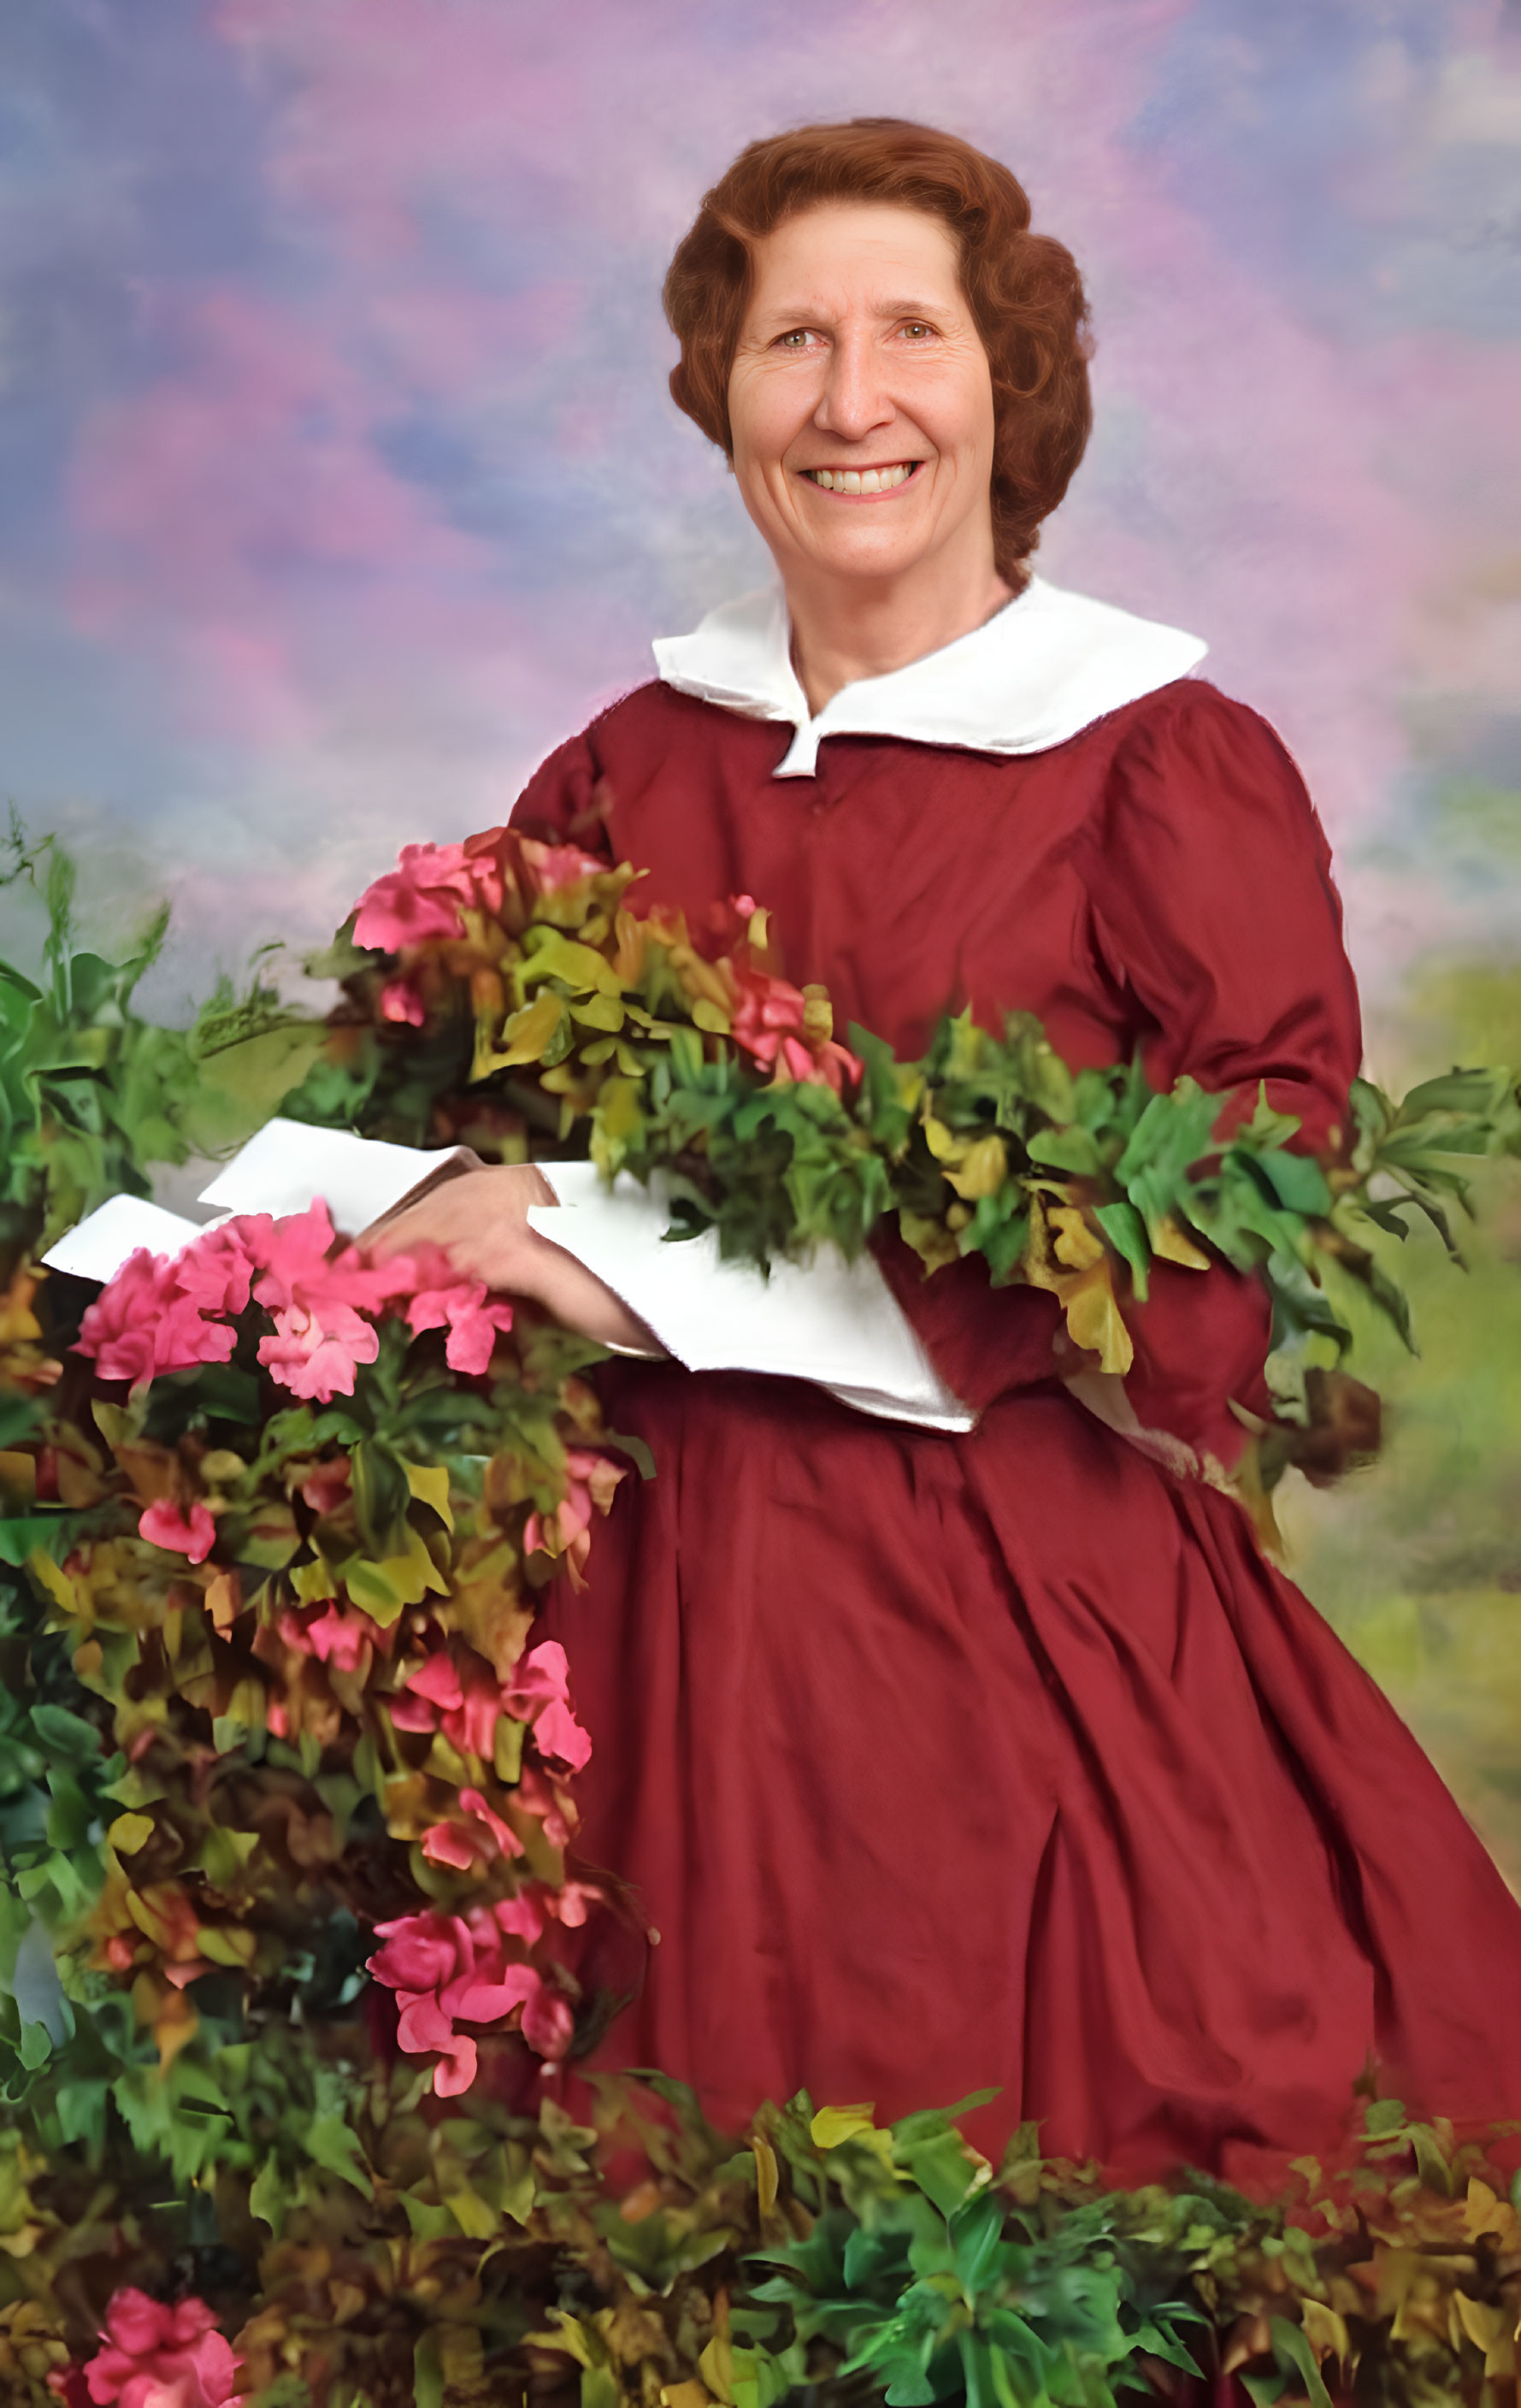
478	1219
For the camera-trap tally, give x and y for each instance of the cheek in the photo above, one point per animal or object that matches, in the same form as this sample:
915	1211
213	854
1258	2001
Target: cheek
767	412
758	423
959	411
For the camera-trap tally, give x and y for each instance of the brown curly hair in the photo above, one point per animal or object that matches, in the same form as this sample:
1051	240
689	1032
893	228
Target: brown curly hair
1025	291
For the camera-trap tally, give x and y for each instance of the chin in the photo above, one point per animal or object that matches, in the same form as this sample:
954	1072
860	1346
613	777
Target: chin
870	559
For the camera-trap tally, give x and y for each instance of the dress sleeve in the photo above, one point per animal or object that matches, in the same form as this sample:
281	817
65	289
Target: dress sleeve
1214	914
567	799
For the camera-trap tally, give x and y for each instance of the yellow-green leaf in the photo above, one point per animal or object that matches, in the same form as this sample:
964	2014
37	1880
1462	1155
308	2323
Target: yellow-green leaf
832	2124
430	1482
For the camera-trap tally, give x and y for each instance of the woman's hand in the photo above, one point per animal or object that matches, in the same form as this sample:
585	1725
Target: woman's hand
479	1218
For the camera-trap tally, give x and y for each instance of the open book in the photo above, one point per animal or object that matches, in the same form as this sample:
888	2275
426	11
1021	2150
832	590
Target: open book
833	1323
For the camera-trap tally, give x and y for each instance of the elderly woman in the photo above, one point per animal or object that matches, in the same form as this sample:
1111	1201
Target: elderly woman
979	1746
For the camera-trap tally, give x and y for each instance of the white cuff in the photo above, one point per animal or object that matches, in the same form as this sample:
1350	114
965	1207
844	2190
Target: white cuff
828	1321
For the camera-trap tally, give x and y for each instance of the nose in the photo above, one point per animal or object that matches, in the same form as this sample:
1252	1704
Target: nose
855	400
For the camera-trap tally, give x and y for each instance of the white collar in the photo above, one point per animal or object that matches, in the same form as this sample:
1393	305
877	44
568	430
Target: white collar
1041	669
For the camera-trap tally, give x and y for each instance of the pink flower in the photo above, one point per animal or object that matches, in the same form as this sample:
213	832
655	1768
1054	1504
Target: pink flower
573	1901
456	1844
119	1329
536	1796
163	1525
554	865
539	1694
521	1917
446	1844
548	2025
291	1255
423	897
446	1971
464	1705
341	1635
158	2357
318	1357
472	1323
298	1267
215	1270
591	1481
772	1024
140	1325
422	1952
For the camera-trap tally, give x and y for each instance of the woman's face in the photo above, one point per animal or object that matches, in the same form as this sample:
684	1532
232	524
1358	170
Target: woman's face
860	399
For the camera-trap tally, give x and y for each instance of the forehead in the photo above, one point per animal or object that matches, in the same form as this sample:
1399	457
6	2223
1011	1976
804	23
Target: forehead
845	255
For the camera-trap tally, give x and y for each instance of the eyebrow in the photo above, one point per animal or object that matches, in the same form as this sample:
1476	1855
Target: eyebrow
799	314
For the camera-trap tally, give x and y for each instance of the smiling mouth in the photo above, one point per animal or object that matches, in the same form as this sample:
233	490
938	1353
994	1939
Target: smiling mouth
884	479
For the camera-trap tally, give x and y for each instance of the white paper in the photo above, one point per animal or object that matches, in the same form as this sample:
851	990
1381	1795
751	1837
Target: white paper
829	1321
100	1244
288	1165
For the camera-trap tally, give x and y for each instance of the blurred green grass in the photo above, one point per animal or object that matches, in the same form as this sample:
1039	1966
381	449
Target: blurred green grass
1416	1561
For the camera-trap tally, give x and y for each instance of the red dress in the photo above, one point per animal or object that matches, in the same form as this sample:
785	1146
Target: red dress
948	1762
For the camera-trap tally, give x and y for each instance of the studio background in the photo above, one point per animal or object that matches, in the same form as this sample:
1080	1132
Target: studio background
339	482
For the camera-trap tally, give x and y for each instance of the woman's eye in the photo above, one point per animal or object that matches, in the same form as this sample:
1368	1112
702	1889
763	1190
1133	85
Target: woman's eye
917	327
797	340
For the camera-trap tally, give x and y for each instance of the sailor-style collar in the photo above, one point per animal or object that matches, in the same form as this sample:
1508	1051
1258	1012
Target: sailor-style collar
1040	670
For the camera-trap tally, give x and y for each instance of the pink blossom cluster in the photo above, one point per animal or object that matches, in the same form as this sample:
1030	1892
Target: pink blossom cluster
144	1322
449	1970
771	1026
458	1693
433	886
445	1299
160	1315
157	2357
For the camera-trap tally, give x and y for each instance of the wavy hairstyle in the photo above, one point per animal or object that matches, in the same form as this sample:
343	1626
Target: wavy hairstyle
1024	291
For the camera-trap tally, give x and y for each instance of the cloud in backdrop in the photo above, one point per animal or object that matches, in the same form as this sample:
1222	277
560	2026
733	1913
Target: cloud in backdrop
338	480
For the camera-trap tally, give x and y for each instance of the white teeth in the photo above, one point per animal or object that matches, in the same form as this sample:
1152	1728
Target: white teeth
866	481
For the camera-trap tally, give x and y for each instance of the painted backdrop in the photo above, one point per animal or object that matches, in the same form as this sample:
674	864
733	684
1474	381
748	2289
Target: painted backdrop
338	481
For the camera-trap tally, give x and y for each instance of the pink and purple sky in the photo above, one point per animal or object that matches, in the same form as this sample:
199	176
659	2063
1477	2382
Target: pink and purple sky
338	480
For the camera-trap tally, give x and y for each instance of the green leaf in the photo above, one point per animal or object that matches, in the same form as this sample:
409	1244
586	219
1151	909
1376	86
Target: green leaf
332	2145
1123	1225
267	2195
381	1493
37	2045
427	2372
66	1735
1293	2354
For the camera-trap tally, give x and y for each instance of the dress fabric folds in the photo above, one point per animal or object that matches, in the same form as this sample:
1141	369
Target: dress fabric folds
1005	1762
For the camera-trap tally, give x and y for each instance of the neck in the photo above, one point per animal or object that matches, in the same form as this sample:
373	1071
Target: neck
845	629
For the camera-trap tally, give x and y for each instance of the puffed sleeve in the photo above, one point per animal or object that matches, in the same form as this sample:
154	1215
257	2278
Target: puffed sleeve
1214	913
1214	907
567	801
